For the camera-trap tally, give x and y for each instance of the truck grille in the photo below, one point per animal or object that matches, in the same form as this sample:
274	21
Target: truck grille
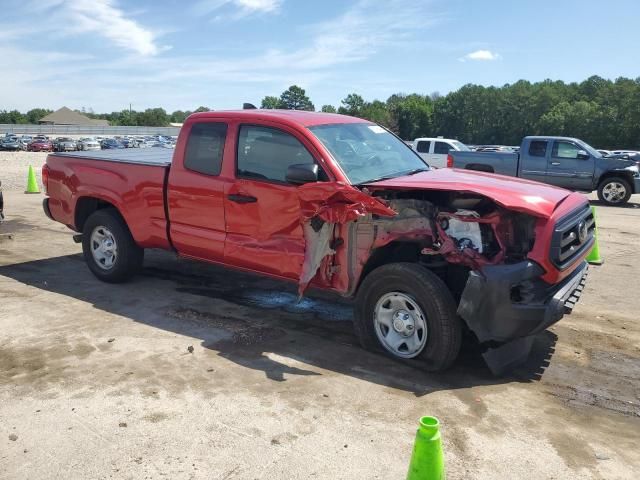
572	236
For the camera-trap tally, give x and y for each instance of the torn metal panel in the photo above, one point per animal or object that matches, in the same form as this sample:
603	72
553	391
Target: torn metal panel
317	247
338	203
325	205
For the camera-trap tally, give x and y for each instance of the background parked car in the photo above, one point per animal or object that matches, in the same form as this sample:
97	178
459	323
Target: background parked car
64	144
40	145
10	143
25	140
110	143
88	143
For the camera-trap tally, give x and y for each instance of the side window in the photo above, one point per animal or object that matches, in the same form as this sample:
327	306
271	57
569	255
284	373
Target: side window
266	153
205	147
538	148
441	148
565	149
423	146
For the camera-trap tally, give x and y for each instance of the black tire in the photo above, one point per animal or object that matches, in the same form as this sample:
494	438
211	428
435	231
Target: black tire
129	256
444	329
610	180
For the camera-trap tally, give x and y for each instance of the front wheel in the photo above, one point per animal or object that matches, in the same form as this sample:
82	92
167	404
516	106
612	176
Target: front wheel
407	312
110	251
614	191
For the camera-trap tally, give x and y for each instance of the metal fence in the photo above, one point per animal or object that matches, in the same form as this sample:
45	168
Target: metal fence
89	130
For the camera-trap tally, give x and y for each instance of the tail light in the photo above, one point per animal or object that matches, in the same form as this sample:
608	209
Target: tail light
449	161
45	177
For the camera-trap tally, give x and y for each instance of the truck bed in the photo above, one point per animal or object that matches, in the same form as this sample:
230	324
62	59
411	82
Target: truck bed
156	157
504	163
131	180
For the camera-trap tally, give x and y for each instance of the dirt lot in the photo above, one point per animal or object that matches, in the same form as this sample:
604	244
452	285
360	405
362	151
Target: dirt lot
97	381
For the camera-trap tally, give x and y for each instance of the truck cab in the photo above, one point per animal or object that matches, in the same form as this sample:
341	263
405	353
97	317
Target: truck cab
561	161
435	150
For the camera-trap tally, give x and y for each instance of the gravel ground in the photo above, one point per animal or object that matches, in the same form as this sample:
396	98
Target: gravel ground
191	371
14	168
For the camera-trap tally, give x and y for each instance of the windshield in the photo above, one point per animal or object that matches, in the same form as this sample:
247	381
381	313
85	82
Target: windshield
592	151
460	146
368	152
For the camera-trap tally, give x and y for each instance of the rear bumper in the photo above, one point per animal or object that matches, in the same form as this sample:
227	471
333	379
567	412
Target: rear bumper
507	303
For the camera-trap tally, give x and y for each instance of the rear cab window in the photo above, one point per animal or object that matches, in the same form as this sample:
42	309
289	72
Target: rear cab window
423	146
538	148
205	148
265	153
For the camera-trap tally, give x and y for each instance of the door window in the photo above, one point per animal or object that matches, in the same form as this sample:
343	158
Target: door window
205	148
423	146
266	153
563	149
538	148
441	148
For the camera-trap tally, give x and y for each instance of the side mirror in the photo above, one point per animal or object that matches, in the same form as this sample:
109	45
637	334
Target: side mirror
583	155
302	173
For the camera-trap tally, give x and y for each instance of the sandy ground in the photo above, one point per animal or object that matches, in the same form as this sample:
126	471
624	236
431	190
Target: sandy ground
97	381
14	168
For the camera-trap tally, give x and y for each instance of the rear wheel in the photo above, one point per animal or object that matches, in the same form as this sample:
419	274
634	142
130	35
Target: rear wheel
110	251
614	191
407	312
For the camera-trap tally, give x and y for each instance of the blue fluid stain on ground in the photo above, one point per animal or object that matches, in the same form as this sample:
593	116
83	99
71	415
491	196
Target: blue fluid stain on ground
328	310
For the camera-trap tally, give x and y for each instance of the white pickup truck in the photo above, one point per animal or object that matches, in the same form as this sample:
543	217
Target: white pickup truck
434	151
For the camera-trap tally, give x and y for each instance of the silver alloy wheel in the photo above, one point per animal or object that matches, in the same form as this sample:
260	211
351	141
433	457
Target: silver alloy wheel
103	247
400	325
614	192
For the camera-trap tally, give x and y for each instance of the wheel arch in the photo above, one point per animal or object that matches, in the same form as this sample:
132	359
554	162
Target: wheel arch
392	252
480	167
625	175
87	205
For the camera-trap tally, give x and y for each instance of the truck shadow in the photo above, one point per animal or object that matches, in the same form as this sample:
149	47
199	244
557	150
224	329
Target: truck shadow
257	323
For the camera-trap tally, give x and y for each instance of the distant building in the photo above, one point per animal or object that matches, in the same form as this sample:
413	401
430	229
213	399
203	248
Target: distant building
66	116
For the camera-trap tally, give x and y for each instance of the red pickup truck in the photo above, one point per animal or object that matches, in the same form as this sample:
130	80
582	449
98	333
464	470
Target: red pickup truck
340	204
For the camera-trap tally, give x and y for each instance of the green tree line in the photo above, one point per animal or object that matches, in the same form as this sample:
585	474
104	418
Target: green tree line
604	113
151	117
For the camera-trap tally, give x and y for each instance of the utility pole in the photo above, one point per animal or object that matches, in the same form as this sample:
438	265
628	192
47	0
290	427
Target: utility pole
130	119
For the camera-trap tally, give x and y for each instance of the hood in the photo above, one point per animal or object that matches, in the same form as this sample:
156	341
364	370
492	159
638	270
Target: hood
534	198
617	162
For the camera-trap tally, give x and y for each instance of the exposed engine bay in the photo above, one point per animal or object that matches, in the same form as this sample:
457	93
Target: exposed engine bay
457	228
436	228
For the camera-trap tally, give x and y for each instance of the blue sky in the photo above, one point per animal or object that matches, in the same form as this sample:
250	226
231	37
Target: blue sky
105	54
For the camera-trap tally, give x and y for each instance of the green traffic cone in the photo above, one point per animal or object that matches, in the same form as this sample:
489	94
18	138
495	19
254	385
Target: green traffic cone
594	257
427	460
32	183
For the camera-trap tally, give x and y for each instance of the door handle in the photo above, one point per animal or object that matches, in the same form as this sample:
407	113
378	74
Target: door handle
555	163
239	198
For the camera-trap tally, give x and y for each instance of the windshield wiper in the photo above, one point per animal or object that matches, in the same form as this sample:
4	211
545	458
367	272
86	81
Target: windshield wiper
395	175
417	170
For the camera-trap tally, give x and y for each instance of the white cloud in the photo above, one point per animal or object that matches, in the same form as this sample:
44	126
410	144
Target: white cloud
323	54
481	55
104	18
96	17
242	8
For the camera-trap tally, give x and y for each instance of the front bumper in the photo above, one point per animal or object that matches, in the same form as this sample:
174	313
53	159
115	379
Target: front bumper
507	304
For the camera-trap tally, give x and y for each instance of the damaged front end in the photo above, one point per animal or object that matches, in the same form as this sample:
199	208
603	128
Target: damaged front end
477	247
